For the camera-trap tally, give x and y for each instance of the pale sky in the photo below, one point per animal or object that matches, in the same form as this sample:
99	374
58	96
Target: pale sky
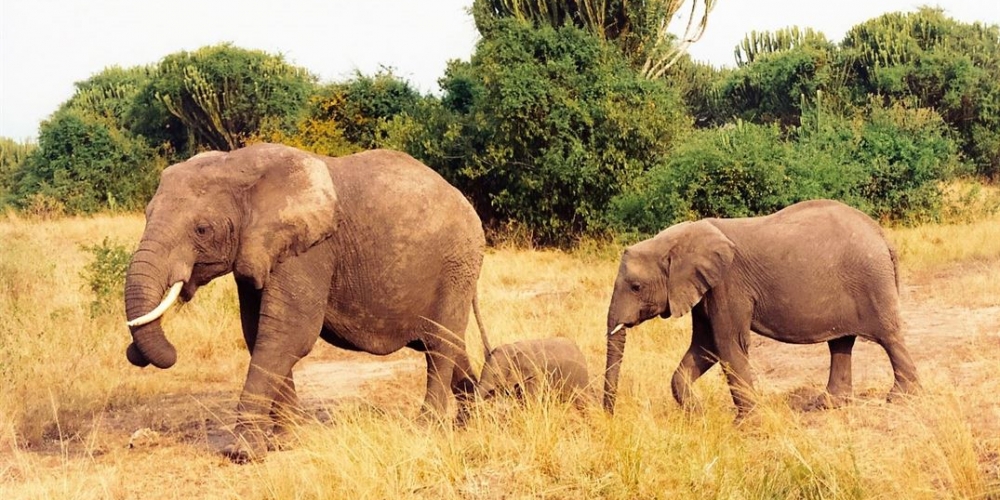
47	45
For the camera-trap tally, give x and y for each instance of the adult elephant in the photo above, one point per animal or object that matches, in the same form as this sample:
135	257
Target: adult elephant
817	271
371	252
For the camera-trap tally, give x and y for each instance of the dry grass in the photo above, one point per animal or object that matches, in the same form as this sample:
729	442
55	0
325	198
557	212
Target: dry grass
71	400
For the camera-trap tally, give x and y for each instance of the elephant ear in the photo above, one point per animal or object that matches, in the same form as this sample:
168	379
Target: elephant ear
291	206
695	264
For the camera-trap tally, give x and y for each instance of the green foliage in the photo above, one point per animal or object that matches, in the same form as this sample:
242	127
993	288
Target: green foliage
105	275
906	151
638	29
361	105
939	63
776	85
222	94
12	155
734	171
701	88
110	94
86	166
889	165
546	126
758	43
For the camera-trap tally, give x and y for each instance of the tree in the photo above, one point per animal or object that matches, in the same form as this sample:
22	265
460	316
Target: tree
110	94
936	62
12	155
87	166
639	28
361	104
543	127
222	94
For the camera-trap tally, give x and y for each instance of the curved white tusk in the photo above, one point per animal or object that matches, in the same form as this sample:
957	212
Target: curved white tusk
617	329
160	309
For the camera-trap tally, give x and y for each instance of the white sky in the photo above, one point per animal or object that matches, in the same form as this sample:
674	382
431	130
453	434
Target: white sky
47	45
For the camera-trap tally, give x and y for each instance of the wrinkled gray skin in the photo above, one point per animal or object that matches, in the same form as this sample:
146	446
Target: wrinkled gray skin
371	252
817	271
525	367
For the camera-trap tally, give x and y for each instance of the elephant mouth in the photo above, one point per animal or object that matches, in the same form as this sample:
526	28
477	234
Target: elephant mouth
202	274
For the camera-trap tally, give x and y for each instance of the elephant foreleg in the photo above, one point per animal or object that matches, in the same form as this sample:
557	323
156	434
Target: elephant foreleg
286	409
731	330
699	358
291	313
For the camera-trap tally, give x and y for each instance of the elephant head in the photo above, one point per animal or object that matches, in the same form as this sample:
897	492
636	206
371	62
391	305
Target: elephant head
663	276
216	213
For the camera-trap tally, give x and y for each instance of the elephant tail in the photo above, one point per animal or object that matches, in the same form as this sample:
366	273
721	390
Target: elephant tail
482	328
895	263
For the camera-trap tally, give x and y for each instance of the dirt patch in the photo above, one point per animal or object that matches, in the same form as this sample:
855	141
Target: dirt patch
324	381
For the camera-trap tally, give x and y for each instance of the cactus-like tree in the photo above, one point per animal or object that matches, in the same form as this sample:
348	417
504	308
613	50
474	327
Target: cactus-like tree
641	28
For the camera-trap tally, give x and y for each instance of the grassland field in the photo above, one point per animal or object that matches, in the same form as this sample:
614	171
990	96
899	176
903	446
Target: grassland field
78	421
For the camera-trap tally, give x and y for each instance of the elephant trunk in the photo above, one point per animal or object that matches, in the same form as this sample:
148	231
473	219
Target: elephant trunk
145	284
616	349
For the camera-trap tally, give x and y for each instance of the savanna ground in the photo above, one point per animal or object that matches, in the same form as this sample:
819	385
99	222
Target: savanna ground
71	405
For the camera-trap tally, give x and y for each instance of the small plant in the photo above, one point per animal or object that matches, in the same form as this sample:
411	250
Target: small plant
105	275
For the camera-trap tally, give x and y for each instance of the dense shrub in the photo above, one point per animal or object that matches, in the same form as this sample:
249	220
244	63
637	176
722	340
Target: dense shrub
219	96
775	86
735	171
87	166
12	155
939	63
551	124
888	164
362	104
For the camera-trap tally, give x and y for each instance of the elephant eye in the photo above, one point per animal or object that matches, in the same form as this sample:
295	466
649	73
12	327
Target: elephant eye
636	287
202	229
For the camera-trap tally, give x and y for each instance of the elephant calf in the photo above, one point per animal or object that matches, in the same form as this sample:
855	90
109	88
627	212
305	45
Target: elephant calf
817	271
526	367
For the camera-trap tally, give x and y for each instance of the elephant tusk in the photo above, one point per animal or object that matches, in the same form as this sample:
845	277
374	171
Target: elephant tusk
155	314
617	329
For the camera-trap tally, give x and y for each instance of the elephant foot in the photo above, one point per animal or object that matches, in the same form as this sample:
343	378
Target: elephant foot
899	395
824	401
246	447
691	406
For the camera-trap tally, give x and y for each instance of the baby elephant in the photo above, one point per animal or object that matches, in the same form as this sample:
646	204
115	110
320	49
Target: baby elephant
524	368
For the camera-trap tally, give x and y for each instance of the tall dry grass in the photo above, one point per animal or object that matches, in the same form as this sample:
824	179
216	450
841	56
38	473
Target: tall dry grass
71	400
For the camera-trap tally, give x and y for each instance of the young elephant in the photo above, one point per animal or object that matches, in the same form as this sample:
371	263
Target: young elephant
817	271
526	367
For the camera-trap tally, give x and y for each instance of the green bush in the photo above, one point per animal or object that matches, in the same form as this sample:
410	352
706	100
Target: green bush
737	170
220	95
87	166
362	104
543	127
936	62
888	163
105	275
907	151
12	155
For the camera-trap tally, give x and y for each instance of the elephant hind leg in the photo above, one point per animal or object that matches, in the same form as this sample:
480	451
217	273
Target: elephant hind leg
903	370
440	370
448	369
